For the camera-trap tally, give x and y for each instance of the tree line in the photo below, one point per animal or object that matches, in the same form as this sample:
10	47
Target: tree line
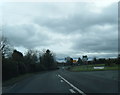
84	61
14	63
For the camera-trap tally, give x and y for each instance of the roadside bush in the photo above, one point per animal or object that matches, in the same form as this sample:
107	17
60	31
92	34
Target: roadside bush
9	69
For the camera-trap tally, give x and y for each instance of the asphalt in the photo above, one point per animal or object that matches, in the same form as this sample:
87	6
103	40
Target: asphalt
63	81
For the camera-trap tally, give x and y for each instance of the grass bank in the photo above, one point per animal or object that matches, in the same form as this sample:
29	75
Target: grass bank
16	79
91	67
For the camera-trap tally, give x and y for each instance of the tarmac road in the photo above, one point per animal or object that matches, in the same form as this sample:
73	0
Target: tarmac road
63	81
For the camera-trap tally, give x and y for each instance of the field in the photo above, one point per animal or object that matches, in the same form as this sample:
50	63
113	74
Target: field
91	67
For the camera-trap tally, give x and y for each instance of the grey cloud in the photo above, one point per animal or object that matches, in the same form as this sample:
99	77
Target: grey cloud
97	43
25	35
97	32
80	21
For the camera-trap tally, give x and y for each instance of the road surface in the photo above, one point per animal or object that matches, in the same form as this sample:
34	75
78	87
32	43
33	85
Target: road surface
63	81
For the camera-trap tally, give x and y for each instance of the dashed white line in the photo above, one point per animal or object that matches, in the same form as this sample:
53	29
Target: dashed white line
78	90
61	80
72	91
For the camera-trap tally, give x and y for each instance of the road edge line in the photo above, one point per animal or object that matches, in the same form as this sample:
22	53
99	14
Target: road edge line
81	92
72	91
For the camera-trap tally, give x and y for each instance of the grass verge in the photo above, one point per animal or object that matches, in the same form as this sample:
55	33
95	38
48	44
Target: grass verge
91	68
16	79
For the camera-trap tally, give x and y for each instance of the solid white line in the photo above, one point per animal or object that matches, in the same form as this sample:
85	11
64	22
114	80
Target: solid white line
72	91
81	92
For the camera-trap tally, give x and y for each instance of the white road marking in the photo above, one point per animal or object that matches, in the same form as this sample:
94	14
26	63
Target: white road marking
13	86
61	80
72	91
81	92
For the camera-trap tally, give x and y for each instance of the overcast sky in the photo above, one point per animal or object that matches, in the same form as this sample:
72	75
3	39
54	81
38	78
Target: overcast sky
68	29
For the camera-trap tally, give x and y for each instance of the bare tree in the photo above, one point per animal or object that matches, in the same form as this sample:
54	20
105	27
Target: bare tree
5	47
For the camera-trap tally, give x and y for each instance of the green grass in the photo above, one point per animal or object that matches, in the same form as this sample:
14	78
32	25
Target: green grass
91	68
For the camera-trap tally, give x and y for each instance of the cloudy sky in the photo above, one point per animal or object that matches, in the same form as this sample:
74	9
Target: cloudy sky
67	28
